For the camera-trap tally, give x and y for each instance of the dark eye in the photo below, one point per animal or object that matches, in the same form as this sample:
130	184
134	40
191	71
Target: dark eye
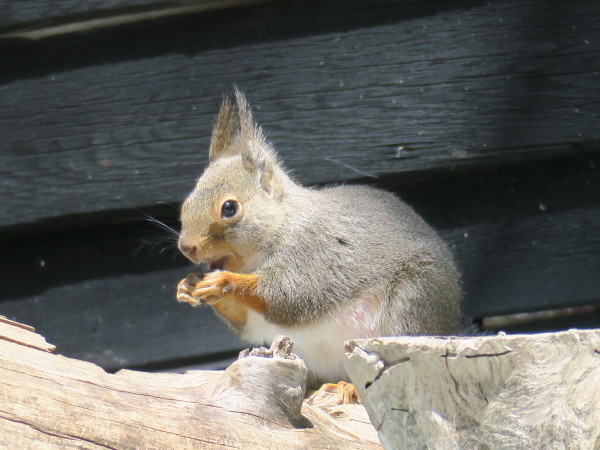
229	209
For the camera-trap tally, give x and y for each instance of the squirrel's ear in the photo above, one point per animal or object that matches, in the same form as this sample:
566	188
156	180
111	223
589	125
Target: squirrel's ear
225	131
258	154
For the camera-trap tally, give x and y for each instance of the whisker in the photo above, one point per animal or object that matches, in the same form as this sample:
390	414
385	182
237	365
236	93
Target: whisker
162	225
160	246
161	243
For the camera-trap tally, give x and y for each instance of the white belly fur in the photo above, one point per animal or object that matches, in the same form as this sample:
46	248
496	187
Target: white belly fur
321	343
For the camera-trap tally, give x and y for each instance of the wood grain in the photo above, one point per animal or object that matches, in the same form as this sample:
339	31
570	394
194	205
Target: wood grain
542	262
22	334
112	121
51	401
126	321
41	21
517	391
42	13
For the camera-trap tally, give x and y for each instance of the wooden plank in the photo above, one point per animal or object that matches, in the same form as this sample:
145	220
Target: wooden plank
107	295
41	21
37	14
586	316
110	122
16	12
544	262
126	321
525	236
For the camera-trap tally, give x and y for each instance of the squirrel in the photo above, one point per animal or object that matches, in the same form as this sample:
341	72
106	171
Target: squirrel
320	265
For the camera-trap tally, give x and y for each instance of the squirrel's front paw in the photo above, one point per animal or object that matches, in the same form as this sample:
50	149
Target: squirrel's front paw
213	287
186	287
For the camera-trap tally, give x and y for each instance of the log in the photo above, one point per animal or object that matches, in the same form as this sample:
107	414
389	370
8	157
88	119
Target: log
505	391
49	401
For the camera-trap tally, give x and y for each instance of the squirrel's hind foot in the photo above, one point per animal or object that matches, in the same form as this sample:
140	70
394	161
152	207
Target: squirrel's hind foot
346	393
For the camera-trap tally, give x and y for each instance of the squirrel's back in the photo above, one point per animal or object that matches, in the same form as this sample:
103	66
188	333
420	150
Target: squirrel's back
344	243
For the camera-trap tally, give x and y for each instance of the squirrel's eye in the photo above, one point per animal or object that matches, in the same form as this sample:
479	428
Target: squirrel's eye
229	209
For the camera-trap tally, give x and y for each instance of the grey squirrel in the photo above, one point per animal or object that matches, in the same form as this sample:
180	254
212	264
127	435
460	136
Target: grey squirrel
320	265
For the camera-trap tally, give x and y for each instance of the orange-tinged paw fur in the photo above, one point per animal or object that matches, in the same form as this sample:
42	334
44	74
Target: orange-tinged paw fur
230	293
212	288
346	392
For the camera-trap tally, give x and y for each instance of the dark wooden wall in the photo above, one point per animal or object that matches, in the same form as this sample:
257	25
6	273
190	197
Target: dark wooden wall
484	115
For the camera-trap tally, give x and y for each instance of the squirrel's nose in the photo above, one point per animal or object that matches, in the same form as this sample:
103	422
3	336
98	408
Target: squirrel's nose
186	248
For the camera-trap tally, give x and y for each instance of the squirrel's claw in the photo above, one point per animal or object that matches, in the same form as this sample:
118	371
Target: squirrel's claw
186	298
186	287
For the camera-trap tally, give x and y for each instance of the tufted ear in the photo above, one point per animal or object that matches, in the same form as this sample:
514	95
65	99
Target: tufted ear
225	132
258	155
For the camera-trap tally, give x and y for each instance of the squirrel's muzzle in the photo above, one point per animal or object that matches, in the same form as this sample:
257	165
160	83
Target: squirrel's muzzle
190	248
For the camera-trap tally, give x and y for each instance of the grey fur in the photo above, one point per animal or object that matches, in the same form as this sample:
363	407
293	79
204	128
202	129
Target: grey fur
343	242
323	249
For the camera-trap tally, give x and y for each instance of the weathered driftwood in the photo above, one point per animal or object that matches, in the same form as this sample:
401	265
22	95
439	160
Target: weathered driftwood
49	400
505	391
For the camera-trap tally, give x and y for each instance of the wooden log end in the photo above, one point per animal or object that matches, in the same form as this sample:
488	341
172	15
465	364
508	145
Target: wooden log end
272	380
503	391
280	348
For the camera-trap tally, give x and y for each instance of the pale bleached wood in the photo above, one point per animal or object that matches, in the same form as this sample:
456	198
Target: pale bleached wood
6	320
49	401
505	391
23	334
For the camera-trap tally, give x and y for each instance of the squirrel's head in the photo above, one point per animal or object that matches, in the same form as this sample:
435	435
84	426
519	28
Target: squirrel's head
236	204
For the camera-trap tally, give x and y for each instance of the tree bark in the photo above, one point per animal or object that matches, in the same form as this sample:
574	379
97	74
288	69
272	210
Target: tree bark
48	400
